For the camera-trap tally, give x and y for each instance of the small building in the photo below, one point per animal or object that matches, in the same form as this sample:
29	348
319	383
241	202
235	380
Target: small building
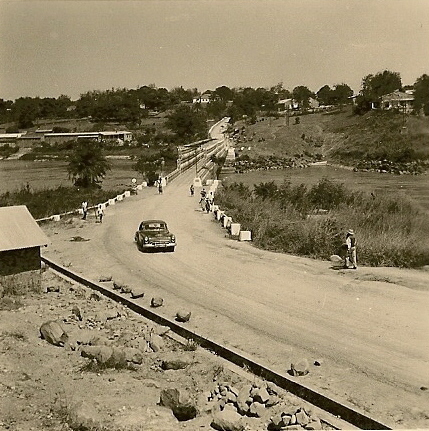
203	98
398	100
119	136
287	105
20	241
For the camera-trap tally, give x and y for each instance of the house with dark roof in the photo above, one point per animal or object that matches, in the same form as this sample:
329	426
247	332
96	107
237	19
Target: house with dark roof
21	239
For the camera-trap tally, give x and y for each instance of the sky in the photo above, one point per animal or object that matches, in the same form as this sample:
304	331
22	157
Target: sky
53	48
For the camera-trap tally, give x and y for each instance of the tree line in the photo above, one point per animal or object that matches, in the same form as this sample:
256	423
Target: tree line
132	105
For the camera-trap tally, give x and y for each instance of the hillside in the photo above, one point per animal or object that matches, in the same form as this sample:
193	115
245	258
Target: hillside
338	137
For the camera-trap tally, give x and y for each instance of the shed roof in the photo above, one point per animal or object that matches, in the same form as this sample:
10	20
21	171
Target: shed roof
18	229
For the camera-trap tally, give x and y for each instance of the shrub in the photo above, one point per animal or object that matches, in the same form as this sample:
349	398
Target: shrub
390	231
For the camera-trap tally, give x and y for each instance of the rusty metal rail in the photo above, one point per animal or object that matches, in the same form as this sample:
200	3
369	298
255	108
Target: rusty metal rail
329	405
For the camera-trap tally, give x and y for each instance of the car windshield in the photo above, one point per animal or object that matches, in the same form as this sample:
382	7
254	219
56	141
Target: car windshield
153	226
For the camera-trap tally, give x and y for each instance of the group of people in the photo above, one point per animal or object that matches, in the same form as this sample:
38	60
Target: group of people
99	212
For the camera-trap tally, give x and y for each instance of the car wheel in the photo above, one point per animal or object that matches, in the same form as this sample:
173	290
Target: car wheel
170	249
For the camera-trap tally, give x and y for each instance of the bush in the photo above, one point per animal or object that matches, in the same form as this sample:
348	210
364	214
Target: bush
390	231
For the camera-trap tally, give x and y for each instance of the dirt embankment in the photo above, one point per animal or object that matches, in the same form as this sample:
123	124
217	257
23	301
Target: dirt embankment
47	387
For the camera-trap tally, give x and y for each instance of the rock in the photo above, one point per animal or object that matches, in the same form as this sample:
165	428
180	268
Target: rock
137	292
84	416
301	417
133	355
101	354
156	343
53	333
95	297
50	289
174	364
257	409
105	278
300	368
318	362
77	312
180	402
125	288
314	425
183	316
118	359
227	420
156	302
161	330
117	285
272	401
261	395
242	398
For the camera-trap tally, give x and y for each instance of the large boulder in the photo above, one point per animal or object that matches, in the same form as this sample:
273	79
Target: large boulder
180	402
227	420
53	333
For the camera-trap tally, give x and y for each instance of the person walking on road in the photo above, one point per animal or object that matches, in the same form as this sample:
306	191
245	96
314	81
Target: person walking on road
192	190
100	213
84	209
351	257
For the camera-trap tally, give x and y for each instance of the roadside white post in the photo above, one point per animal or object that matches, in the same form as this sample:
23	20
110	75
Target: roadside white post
127	194
112	202
245	235
56	217
119	197
235	229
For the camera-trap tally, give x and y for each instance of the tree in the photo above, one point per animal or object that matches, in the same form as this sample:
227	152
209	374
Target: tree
421	94
302	95
375	86
324	95
187	123
87	164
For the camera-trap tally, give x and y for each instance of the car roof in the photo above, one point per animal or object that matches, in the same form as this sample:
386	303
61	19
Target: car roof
153	221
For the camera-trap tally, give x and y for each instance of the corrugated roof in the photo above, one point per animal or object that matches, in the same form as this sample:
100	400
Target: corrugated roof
18	229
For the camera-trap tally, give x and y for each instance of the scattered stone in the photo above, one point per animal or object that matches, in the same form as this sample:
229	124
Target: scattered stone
174	364
300	368
84	416
161	330
126	289
183	316
180	402
137	292
261	395
105	278
227	420
94	297
53	333
314	424
318	362
156	302
257	409
301	417
117	285
51	289
77	312
156	343
133	355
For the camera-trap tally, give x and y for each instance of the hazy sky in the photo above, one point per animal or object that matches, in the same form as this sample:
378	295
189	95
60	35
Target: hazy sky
49	48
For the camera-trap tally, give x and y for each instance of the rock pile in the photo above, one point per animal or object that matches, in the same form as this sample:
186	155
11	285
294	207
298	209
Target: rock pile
255	400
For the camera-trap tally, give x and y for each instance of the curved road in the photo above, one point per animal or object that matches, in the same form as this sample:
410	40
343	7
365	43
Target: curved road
371	337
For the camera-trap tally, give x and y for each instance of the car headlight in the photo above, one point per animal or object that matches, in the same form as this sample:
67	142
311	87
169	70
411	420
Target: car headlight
173	238
146	239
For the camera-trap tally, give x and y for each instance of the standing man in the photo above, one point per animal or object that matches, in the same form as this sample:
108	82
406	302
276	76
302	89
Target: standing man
351	250
84	209
100	213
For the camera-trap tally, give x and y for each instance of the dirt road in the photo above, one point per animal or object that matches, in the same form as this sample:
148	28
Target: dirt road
368	328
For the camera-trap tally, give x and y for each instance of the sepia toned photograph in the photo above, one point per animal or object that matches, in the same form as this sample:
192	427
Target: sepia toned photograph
214	215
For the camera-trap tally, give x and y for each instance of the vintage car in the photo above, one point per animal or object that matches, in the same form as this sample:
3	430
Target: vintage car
154	235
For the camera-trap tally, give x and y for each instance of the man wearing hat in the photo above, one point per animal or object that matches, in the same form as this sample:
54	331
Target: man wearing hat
351	250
